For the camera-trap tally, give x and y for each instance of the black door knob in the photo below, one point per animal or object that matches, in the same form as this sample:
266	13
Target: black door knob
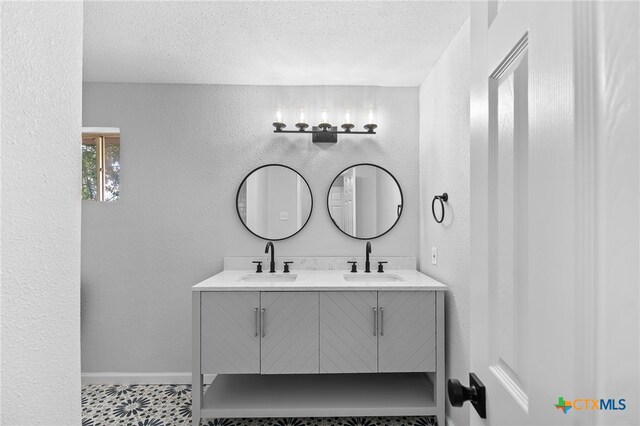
459	393
475	393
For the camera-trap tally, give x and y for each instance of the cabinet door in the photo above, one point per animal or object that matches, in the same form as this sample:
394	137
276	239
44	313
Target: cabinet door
348	342
406	331
290	333
230	342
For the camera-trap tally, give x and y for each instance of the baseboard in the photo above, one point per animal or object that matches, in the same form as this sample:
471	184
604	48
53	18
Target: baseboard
449	421
140	378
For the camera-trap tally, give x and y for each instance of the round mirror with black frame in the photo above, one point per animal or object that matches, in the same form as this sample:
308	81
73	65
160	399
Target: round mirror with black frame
274	202
365	201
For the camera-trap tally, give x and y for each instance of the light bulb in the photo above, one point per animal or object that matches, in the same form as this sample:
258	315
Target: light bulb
324	116
279	116
371	116
301	116
347	117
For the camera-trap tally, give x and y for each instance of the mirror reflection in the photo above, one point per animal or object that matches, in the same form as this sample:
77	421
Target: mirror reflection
274	202
365	201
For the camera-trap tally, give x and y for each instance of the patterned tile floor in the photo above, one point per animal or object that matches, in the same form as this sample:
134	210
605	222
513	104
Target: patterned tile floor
169	405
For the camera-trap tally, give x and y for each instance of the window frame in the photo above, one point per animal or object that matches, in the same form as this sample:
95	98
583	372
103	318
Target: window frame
100	142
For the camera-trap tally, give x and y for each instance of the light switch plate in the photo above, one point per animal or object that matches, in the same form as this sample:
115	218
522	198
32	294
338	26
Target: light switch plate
284	216
434	255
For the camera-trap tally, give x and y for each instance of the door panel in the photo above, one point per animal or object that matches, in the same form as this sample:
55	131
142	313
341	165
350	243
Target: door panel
230	343
407	331
349	218
290	341
523	210
348	342
336	205
508	133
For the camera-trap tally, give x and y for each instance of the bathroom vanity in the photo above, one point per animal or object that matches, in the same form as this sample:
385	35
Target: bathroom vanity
318	343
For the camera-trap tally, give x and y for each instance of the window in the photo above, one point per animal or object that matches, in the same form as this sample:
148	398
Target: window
101	165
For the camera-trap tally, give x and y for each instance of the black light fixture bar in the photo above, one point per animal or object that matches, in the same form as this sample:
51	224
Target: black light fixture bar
337	132
325	132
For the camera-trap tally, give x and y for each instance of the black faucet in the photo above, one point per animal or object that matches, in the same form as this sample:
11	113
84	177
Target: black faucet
272	265
367	264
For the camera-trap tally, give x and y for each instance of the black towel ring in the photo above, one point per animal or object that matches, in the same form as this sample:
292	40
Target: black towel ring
443	199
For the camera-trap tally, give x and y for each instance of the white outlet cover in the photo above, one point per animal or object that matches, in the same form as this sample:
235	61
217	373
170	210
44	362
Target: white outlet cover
434	255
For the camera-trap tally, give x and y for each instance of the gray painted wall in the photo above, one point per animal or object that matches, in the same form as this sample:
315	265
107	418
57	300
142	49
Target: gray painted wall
41	76
445	167
185	149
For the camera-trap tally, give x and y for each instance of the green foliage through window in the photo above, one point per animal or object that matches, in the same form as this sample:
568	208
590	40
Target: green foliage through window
100	167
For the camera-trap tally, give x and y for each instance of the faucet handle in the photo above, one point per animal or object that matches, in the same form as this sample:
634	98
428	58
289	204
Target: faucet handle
258	266
354	268
286	266
381	267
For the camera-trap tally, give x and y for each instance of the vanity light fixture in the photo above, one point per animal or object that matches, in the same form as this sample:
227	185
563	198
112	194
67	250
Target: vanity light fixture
325	132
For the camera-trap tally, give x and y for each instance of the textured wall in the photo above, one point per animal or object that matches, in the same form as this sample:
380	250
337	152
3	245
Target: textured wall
444	167
41	77
185	149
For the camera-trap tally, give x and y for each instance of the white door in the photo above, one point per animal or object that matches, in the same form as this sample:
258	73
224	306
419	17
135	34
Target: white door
349	179
336	205
529	343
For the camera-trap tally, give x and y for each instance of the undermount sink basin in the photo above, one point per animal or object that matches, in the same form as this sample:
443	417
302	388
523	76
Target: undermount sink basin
372	278
268	278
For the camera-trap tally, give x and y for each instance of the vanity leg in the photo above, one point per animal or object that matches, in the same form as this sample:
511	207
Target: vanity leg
440	367
196	392
196	385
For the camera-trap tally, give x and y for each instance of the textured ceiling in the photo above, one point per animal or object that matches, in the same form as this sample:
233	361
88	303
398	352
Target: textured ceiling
388	43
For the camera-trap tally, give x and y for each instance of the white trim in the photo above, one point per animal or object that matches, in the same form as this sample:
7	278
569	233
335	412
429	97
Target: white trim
513	388
589	97
141	378
513	57
100	130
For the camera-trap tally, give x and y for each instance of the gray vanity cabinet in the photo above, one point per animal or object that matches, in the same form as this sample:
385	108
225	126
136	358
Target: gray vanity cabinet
277	332
230	341
406	331
319	352
289	332
348	342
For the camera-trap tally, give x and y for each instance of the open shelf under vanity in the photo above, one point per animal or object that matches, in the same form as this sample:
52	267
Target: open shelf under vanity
320	395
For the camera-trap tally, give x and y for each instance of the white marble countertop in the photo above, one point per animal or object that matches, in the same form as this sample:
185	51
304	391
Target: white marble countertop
319	280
